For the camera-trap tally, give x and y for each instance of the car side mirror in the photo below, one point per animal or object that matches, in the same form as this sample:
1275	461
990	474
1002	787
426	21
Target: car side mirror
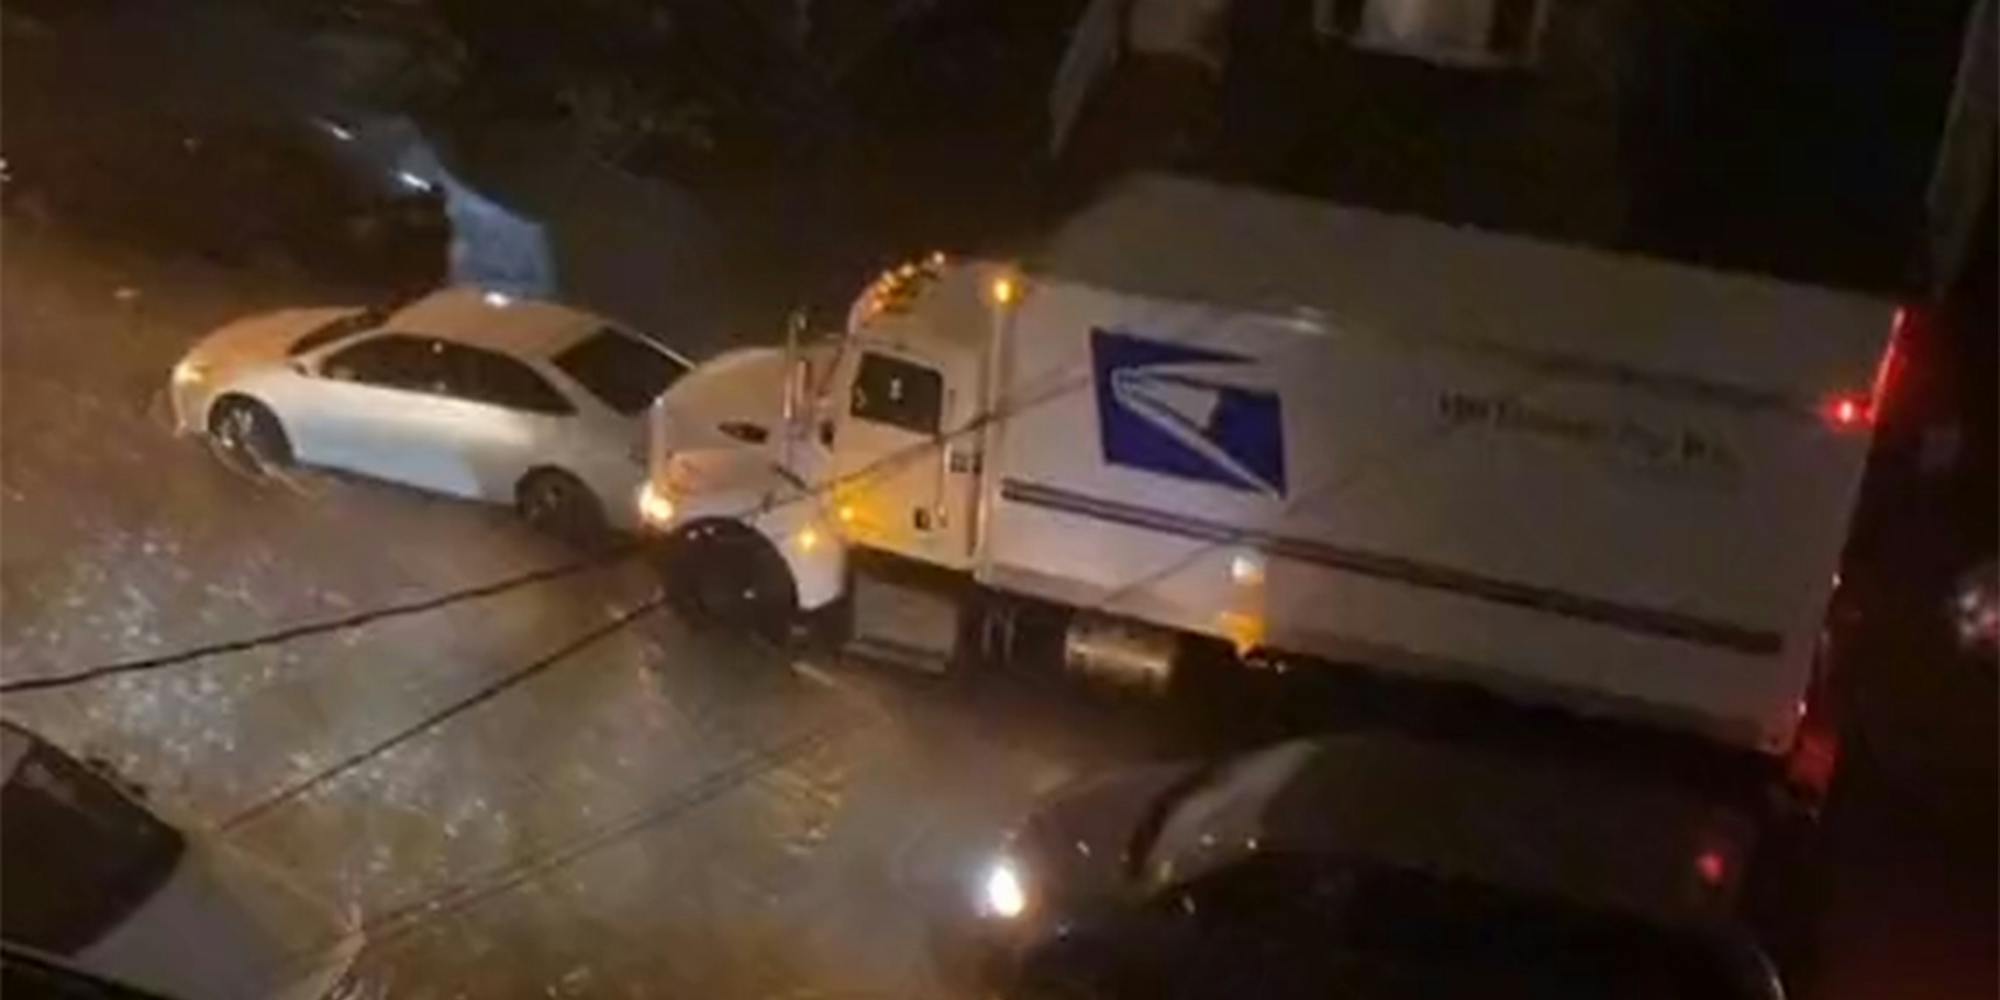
298	367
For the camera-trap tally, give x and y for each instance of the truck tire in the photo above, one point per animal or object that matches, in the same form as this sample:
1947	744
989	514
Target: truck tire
722	574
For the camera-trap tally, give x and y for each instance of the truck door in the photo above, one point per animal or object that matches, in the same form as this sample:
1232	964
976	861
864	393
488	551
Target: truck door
900	485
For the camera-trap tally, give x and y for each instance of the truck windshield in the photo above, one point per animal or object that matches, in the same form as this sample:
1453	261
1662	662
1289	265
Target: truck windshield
79	856
898	393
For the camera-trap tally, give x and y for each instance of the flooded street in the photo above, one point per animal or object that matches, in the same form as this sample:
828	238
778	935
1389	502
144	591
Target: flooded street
663	813
522	794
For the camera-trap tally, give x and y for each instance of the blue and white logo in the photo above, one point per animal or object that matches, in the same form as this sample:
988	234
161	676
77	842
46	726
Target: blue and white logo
1181	411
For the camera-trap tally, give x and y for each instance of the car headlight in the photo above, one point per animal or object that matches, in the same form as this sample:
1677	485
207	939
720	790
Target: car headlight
656	509
1003	892
190	372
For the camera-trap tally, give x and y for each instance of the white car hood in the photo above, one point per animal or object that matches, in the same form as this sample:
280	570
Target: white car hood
263	337
227	926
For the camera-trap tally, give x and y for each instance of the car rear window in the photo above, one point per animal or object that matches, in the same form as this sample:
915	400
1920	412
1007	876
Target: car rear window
338	327
619	370
78	856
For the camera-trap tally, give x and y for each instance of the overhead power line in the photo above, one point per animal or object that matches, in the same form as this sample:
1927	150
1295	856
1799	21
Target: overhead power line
342	623
1057	384
362	619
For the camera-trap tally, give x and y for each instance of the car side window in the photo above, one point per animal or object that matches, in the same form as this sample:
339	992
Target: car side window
393	361
484	376
898	393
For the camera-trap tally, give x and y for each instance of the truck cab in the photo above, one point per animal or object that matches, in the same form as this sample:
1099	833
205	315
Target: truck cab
906	437
867	439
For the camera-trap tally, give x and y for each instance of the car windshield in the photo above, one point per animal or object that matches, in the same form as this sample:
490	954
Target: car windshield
344	325
78	855
623	373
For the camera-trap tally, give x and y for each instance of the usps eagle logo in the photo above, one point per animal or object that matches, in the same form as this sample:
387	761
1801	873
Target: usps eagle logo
1186	412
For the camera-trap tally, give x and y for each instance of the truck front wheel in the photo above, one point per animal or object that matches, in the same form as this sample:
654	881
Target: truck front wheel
719	573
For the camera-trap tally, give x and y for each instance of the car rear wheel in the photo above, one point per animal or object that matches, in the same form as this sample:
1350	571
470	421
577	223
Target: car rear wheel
556	503
248	434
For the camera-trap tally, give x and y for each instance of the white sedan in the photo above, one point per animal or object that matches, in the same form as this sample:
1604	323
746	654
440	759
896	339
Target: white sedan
466	393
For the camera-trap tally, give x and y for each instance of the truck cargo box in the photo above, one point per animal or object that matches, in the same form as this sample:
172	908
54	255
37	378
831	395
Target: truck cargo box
1573	475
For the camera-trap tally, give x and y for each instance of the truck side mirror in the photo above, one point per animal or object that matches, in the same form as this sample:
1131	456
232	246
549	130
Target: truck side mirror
798	390
798	373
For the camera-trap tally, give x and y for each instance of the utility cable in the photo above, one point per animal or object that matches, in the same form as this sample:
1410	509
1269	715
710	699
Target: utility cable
343	623
1063	382
401	920
439	717
608	557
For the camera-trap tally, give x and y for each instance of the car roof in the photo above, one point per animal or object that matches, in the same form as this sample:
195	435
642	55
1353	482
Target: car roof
1559	830
522	327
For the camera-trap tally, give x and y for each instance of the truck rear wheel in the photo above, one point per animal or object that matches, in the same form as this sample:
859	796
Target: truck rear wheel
722	574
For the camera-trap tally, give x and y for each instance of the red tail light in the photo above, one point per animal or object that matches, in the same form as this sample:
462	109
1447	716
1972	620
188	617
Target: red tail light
1856	410
1712	867
1847	412
1810	765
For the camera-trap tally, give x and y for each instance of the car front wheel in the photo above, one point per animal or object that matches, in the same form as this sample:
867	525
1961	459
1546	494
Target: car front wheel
248	434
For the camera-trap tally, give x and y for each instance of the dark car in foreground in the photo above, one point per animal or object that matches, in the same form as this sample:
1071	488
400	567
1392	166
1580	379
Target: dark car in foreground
1375	865
97	888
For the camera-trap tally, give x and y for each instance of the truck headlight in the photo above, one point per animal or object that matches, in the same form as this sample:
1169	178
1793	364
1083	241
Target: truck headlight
190	372
1003	893
656	509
